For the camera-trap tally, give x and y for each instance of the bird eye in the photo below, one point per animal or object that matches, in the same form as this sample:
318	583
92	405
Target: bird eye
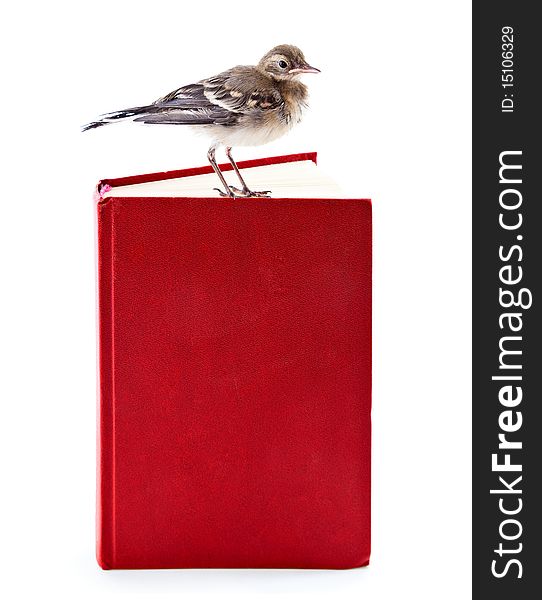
283	64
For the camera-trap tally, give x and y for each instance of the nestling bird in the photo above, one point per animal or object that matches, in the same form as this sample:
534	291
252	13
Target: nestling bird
243	106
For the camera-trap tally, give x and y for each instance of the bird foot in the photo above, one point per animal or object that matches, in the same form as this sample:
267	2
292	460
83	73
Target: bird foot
264	194
234	192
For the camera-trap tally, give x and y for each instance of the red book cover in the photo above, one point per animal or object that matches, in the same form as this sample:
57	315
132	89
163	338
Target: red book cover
234	380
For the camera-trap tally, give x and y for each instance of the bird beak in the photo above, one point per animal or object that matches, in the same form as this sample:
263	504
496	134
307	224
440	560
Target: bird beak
304	69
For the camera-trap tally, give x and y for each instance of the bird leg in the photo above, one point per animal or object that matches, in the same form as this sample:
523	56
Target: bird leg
230	191
244	191
211	156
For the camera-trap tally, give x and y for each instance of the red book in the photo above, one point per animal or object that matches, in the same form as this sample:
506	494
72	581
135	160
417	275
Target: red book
235	376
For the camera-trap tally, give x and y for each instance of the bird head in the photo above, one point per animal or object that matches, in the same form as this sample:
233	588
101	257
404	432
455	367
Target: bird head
285	62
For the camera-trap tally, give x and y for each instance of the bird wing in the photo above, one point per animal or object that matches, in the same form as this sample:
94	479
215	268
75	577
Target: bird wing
218	100
241	90
186	105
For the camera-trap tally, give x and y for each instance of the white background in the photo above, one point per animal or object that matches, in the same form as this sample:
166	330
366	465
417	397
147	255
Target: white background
390	118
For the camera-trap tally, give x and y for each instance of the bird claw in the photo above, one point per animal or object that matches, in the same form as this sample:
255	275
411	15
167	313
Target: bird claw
246	193
224	194
234	192
264	194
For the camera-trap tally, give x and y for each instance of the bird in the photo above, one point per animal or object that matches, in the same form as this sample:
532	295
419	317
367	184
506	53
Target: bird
243	106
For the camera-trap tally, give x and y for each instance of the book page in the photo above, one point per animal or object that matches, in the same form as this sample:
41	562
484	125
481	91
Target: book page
300	179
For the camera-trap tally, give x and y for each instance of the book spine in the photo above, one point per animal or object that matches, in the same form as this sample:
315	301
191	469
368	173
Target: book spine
105	514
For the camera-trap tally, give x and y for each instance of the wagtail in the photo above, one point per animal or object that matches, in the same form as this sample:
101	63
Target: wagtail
243	106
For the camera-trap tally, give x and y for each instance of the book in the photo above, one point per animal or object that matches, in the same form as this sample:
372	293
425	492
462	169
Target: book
234	371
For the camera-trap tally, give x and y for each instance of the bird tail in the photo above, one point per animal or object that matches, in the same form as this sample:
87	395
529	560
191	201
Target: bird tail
118	115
